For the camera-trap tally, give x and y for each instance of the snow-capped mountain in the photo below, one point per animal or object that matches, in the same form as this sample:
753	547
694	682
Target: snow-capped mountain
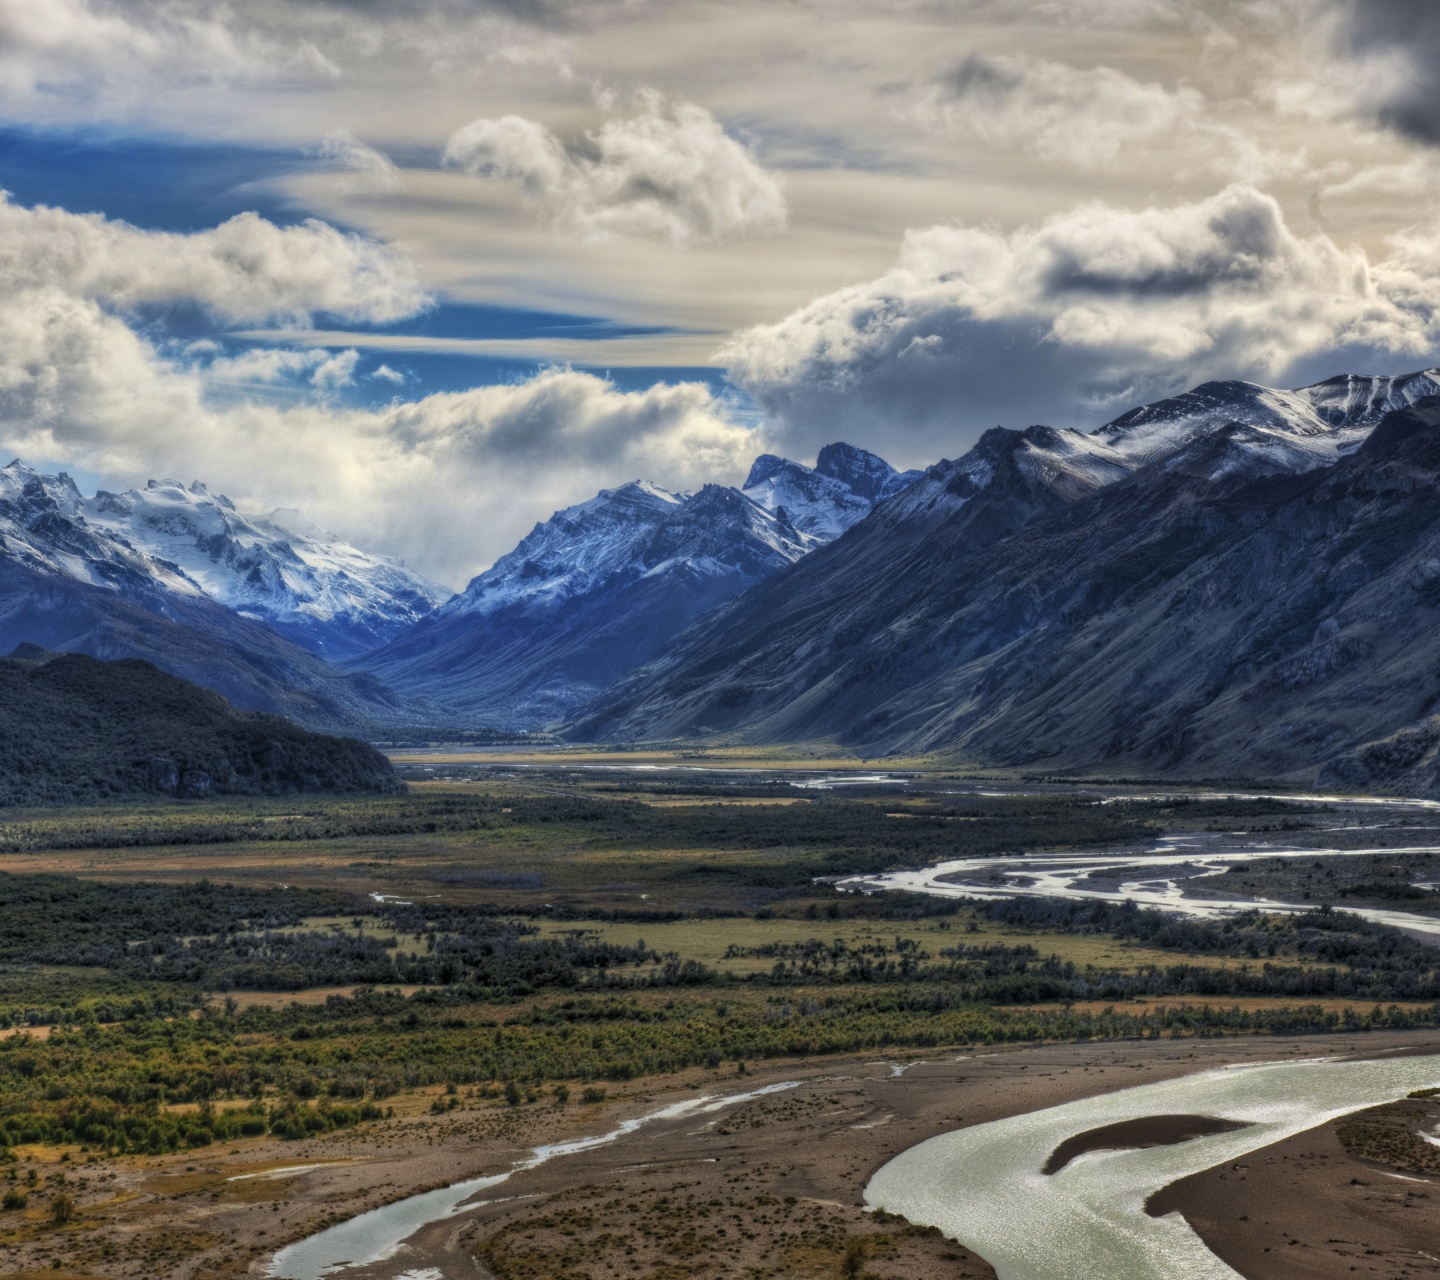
70	583
1242	428
574	551
1233	581
823	501
599	587
280	569
43	528
1360	399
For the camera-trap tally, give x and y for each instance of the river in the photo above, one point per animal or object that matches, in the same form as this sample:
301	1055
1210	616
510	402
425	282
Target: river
1161	877
983	1186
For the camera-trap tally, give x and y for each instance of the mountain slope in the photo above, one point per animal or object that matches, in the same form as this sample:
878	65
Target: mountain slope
304	583
597	589
840	490
66	585
75	730
583	599
756	657
1182	617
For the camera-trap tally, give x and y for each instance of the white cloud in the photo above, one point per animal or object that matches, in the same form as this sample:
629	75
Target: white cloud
245	270
1062	113
322	369
342	150
671	172
1089	310
449	481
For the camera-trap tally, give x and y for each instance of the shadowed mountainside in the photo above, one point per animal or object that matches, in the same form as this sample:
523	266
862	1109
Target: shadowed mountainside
1188	618
76	730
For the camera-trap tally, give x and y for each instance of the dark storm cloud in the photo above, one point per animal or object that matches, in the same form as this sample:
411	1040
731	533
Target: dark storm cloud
1407	31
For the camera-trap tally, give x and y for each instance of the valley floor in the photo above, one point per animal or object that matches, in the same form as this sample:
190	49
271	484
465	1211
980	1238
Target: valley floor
773	1187
507	957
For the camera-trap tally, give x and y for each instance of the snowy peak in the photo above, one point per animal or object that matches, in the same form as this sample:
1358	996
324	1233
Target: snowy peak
1155	431
572	552
637	530
766	466
1241	428
26	487
1039	464
784	510
840	490
1068	463
862	472
720	528
43	526
819	505
307	584
1353	400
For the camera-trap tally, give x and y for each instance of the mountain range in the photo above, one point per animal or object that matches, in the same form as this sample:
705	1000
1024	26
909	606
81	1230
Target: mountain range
1235	582
93	576
279	615
594	591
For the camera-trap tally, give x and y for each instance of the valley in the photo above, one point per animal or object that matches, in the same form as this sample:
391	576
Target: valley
338	1002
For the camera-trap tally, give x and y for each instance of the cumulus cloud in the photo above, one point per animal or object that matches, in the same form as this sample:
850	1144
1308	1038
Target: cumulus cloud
449	481
326	370
245	270
1090	310
669	171
1062	113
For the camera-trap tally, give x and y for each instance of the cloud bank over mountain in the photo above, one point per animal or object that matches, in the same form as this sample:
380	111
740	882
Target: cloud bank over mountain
454	264
1099	306
82	384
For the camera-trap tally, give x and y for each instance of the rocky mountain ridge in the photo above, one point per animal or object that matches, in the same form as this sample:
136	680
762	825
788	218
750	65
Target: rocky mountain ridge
1091	603
283	570
596	589
67	584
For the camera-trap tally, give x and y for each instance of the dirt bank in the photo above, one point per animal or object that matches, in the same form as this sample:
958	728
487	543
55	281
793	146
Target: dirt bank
1359	1196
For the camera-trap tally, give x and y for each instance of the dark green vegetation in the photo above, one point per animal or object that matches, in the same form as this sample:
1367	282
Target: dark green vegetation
223	938
115	1087
795	841
560	934
74	730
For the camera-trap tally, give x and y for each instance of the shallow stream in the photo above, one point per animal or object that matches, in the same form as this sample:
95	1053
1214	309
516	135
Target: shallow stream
1160	878
376	1235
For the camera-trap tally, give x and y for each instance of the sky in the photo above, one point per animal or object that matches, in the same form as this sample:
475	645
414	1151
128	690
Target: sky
430	270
